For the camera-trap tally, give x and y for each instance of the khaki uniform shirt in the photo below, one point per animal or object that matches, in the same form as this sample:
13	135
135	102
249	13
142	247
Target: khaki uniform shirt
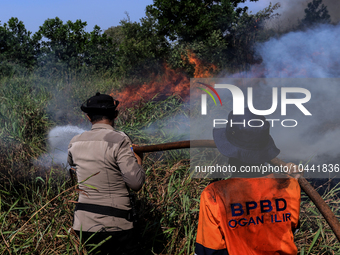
109	152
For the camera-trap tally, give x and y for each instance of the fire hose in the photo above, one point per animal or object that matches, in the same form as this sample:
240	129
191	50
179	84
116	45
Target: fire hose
304	184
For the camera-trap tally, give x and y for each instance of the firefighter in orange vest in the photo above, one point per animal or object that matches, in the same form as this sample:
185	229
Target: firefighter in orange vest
250	213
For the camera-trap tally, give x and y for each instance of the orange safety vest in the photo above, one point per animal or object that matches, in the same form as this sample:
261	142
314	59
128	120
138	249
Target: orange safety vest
249	216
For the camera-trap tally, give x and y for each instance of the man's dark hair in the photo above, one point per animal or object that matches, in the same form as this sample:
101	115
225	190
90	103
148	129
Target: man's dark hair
97	117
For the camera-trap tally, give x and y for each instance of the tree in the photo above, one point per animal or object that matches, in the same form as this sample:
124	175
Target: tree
140	47
315	14
244	36
17	45
229	44
195	19
100	52
116	34
66	42
70	44
218	32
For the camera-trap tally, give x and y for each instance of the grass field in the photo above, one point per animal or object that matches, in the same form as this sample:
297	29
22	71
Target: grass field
36	207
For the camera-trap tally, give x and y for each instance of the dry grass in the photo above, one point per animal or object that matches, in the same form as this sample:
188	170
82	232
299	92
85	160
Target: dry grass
168	207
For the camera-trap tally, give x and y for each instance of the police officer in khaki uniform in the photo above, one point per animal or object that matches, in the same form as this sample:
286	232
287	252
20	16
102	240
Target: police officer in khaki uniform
105	159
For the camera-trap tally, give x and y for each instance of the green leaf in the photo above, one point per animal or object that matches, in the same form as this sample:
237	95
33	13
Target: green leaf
314	240
39	178
89	177
90	186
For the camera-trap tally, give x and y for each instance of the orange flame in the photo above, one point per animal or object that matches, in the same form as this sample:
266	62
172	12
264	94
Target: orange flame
201	70
171	82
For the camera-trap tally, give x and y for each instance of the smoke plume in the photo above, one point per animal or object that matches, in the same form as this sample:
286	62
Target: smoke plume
58	140
292	11
314	56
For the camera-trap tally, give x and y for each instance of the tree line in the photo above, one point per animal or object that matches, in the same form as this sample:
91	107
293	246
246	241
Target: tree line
219	32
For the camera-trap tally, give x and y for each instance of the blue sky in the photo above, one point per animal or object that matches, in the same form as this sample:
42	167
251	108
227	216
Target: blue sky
104	13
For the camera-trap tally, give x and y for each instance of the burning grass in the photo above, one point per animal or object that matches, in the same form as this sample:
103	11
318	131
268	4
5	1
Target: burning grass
171	82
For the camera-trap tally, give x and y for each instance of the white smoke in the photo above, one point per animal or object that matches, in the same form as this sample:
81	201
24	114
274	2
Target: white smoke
292	11
58	140
306	59
315	56
313	53
172	129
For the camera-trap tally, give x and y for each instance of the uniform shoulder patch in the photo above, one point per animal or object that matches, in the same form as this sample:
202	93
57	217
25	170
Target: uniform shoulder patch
114	136
74	139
